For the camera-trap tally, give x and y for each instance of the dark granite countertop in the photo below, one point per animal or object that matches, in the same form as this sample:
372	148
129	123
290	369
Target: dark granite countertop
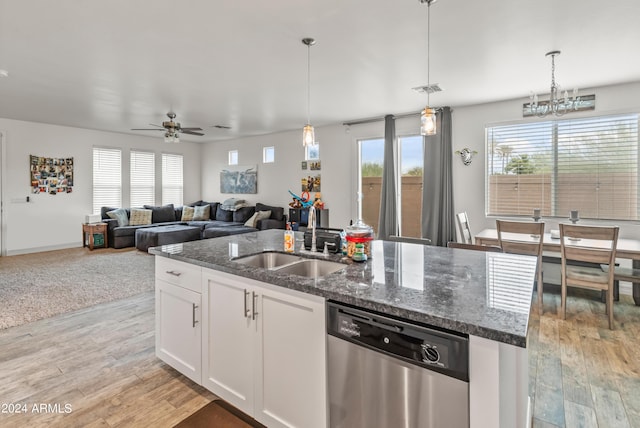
472	292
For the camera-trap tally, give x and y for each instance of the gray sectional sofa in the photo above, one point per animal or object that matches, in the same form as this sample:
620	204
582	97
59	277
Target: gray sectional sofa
220	222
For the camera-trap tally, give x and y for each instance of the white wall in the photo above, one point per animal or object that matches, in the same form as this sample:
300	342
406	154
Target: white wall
339	158
52	222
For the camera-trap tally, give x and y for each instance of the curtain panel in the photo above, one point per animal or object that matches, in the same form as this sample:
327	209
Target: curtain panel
438	217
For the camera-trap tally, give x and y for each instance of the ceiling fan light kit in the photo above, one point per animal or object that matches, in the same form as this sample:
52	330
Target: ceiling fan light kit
172	129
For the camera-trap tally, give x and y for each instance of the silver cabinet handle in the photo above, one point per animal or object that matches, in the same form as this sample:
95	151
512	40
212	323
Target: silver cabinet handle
174	273
255	309
194	306
246	310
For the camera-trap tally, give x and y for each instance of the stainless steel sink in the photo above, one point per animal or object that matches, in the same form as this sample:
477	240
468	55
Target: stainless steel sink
312	268
268	260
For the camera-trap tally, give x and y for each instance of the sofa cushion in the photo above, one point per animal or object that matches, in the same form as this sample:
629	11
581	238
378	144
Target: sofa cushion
120	215
213	210
201	212
215	232
140	217
277	213
213	224
241	215
223	215
162	214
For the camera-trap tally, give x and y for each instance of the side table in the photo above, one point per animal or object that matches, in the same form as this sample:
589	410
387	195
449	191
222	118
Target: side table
91	229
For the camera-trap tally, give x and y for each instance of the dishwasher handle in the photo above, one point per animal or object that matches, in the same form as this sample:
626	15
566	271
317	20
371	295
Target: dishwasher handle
372	321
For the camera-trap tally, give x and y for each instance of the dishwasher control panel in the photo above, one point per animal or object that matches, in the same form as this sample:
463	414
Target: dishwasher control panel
424	346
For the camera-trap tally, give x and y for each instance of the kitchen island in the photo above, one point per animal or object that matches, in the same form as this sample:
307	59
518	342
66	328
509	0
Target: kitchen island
486	296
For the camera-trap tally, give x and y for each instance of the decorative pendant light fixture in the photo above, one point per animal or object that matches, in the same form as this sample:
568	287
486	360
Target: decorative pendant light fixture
556	106
428	115
308	134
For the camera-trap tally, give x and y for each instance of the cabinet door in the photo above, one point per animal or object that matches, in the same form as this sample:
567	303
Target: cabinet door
179	329
291	360
230	333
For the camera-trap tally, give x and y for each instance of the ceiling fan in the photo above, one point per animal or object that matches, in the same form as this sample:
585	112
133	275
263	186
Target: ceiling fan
172	129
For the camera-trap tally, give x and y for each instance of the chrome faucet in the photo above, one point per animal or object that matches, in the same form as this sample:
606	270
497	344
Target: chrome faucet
312	222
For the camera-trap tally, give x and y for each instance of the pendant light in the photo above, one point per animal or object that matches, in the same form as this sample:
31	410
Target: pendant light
308	134
428	115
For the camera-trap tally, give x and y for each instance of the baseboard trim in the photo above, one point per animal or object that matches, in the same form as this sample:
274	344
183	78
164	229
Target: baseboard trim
43	249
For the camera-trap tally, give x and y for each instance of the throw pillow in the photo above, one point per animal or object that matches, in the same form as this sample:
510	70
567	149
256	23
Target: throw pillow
140	217
187	213
201	212
255	218
119	214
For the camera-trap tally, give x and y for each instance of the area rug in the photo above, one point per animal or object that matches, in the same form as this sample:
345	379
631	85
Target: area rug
219	414
40	285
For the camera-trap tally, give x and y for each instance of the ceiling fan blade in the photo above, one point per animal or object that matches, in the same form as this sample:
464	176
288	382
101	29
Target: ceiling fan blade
221	126
146	129
191	132
190	129
159	126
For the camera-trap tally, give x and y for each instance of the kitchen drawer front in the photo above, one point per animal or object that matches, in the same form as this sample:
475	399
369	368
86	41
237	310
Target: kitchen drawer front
179	273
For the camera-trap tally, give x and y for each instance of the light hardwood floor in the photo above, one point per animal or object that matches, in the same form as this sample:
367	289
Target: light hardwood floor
101	361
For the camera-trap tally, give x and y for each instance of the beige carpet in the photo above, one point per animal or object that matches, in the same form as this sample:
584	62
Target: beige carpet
41	285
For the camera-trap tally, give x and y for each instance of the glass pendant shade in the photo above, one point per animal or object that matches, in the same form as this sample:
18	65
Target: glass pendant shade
308	136
171	137
428	121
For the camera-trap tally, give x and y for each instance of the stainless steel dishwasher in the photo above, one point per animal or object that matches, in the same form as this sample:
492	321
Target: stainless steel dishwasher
385	373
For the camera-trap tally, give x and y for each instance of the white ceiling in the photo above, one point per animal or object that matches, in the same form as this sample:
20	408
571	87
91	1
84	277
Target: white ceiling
121	64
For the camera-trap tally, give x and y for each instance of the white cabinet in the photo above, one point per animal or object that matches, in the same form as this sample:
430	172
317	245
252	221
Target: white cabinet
179	316
266	350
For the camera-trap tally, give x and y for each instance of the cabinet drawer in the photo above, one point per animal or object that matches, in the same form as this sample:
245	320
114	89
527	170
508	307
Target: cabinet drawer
179	273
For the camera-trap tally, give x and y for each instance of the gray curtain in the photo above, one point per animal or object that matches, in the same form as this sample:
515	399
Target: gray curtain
438	218
388	220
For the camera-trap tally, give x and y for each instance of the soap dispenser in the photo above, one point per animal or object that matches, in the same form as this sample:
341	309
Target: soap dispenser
289	239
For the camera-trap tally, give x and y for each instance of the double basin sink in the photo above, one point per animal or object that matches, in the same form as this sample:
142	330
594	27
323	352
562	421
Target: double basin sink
291	264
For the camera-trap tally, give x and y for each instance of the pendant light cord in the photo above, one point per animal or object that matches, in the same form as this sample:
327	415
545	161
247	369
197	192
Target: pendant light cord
309	84
428	51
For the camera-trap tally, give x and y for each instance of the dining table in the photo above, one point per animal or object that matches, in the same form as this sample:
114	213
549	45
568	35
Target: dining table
625	249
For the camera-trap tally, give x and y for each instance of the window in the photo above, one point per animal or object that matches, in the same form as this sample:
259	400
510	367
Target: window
233	157
409	182
143	178
589	165
268	154
107	178
172	179
371	161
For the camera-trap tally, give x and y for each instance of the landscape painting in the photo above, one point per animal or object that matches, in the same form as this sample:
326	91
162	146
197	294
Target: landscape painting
239	179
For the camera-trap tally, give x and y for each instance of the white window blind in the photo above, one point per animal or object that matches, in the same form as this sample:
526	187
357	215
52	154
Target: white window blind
172	179
107	178
589	165
143	178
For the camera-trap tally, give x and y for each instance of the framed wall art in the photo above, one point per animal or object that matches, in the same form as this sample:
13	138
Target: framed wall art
51	175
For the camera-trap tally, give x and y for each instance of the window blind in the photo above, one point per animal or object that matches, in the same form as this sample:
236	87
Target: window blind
172	179
588	164
107	178
143	178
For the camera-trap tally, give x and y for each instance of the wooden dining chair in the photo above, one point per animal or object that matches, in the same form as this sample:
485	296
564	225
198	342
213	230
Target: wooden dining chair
463	246
519	237
463	225
592	244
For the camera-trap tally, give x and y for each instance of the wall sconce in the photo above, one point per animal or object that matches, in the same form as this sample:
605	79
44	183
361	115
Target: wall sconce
466	155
